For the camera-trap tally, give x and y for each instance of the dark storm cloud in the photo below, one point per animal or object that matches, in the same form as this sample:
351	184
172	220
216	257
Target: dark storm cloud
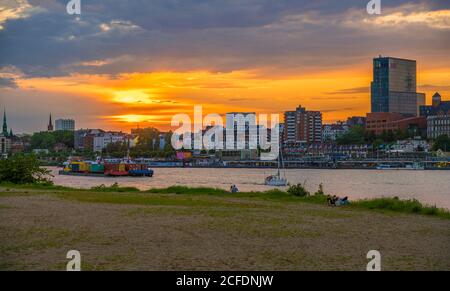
116	36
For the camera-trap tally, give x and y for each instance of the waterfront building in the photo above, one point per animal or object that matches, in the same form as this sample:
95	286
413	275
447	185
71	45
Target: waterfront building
384	122
436	100
238	155
302	126
356	121
102	140
336	152
421	101
438	107
17	145
410	146
5	145
438	125
84	138
290	126
65	124
394	86
332	131
248	127
437	115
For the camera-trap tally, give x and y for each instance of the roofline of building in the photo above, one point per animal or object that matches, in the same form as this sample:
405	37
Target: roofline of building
394	58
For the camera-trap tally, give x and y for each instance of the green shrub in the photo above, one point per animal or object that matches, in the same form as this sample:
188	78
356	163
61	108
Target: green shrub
298	190
23	169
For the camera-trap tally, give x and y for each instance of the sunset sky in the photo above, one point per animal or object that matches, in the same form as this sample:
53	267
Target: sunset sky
123	63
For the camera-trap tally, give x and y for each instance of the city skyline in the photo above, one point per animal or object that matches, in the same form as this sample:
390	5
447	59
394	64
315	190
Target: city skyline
114	68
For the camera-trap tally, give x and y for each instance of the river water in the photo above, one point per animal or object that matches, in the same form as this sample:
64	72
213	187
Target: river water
430	187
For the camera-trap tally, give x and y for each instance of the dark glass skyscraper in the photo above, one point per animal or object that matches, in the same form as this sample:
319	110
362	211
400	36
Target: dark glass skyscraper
380	85
394	87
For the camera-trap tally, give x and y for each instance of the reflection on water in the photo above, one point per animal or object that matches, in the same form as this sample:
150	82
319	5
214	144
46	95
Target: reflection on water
431	187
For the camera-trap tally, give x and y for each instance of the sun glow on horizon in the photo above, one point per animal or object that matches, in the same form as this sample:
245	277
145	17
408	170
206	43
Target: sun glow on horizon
151	99
133	97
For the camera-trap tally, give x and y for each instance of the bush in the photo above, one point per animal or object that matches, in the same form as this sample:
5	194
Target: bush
23	169
298	190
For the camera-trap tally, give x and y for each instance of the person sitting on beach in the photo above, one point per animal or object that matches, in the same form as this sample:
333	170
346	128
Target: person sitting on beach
345	201
331	200
234	189
335	199
342	201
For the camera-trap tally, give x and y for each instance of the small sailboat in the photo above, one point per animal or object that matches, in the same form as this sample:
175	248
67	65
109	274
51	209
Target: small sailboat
280	178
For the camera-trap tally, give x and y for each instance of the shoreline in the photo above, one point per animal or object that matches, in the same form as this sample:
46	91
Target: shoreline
286	168
296	168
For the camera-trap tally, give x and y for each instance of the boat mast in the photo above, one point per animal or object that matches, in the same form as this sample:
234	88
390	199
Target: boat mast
278	171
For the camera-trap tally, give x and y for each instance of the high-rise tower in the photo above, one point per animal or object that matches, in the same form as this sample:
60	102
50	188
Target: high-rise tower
394	86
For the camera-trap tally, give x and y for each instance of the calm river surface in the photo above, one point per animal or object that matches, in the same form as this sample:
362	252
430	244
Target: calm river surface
430	187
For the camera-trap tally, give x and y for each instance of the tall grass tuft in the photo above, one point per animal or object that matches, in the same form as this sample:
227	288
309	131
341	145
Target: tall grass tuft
405	206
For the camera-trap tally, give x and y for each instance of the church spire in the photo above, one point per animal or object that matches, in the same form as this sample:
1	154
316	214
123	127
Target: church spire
5	124
50	124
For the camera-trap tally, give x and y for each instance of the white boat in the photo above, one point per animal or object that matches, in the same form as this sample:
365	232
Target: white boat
386	167
276	180
414	166
279	179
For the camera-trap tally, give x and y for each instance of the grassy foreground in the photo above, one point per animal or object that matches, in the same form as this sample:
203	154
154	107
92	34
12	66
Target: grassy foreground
181	228
393	204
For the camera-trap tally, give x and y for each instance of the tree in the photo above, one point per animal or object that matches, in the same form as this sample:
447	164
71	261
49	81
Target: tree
47	140
148	138
116	149
355	135
442	142
23	169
